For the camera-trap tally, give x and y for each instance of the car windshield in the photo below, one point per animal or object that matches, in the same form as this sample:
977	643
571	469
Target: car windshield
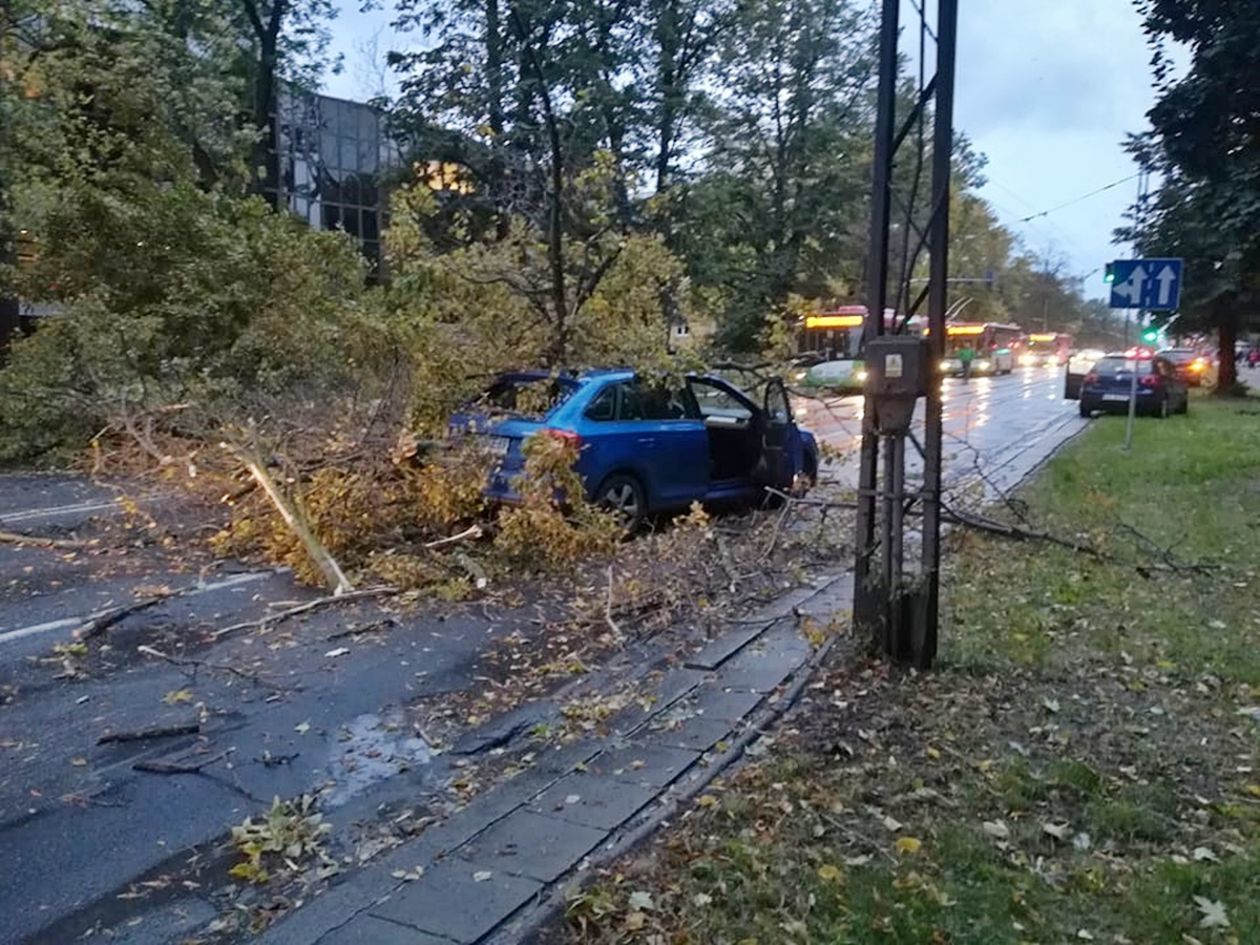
530	398
1112	366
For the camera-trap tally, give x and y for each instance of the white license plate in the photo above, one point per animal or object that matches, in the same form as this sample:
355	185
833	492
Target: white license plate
498	445
1117	398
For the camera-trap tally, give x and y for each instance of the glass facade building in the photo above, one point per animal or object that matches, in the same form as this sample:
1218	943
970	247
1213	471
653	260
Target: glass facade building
331	163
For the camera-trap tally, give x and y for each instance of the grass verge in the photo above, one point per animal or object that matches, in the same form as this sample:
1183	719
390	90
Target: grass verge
1083	767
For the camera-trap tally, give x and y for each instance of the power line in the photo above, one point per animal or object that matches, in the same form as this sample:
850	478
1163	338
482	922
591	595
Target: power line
1075	200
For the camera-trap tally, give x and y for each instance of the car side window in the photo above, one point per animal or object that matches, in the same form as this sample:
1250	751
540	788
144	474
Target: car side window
604	406
646	402
716	402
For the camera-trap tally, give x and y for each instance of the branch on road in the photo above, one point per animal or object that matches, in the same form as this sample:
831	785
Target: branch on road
303	609
103	621
14	538
144	734
186	661
157	766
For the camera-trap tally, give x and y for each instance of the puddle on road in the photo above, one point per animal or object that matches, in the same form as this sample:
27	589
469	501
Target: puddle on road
370	749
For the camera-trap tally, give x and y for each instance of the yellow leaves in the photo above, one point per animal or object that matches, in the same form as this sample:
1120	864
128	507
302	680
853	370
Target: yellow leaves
1253	790
706	800
178	697
933	753
830	873
635	921
908	846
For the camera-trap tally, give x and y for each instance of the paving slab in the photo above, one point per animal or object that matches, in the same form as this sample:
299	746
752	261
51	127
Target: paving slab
713	702
369	930
654	765
448	901
714	653
762	667
594	801
696	733
531	844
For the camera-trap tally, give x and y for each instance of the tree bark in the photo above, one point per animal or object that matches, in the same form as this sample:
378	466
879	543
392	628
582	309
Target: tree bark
495	118
267	35
1227	338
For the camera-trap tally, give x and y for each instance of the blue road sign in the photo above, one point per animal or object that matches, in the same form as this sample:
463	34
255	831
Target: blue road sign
1152	284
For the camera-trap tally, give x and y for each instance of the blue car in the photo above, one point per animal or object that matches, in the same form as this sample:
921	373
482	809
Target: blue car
1159	389
643	448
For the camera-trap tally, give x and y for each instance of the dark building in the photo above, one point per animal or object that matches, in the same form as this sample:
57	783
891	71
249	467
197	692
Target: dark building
333	160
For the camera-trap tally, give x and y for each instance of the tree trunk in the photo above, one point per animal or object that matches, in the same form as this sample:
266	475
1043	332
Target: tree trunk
267	35
494	89
1227	337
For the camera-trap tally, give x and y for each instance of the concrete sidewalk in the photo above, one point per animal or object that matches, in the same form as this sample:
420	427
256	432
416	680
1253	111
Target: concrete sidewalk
497	867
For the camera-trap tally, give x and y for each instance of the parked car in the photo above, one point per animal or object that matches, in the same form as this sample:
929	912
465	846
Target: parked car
1077	367
1191	366
1159	390
644	448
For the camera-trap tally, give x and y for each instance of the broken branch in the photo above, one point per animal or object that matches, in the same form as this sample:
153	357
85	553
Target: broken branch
304	608
144	734
157	766
39	542
221	667
474	531
97	625
292	516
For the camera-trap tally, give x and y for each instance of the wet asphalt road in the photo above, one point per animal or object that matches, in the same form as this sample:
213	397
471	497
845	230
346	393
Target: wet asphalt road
78	823
1003	426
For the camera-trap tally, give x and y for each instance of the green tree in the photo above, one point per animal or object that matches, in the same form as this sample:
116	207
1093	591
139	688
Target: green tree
1205	143
780	210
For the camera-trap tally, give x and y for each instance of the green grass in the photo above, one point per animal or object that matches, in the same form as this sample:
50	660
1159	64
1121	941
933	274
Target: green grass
1190	485
1076	766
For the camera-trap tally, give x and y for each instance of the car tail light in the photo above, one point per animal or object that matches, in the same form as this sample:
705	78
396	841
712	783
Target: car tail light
564	436
1151	380
1090	378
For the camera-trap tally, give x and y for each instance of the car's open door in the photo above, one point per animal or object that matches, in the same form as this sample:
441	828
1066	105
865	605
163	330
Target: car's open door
778	465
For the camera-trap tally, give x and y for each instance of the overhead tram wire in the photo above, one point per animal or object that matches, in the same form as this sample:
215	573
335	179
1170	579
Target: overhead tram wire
1076	200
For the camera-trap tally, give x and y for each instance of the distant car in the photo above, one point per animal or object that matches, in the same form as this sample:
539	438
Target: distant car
643	448
1190	365
1107	386
1077	367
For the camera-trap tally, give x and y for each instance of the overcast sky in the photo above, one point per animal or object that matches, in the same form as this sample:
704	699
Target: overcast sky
1046	89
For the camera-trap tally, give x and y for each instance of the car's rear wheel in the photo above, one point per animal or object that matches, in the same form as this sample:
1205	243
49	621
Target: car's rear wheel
622	494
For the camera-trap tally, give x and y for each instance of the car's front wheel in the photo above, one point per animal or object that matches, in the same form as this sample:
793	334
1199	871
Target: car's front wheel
622	494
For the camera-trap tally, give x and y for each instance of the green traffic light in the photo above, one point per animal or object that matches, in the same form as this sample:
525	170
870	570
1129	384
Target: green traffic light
1109	273
1151	335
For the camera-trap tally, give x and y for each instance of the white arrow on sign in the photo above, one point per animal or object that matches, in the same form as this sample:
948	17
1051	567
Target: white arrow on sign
1167	276
1131	290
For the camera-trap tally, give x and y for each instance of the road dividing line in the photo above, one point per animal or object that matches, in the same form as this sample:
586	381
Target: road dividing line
21	633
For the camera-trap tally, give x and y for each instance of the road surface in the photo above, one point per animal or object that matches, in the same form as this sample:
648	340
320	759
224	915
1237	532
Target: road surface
80	824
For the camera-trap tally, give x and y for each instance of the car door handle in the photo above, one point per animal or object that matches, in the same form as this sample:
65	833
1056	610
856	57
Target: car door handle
646	440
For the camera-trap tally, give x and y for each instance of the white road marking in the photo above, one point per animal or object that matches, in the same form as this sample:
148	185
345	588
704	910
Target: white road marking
52	511
20	633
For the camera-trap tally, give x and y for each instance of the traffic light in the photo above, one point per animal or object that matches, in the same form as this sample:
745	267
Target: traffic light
1150	335
1109	273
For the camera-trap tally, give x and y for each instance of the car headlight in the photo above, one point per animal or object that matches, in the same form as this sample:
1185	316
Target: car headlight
983	365
800	375
860	375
